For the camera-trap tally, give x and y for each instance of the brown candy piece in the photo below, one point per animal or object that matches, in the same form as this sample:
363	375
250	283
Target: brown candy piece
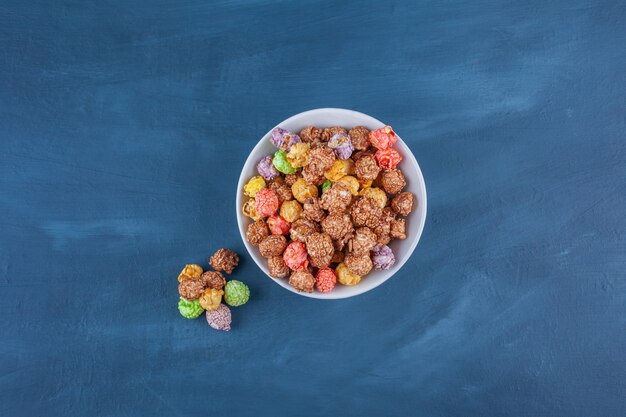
273	245
191	288
302	281
302	228
311	135
213	279
359	137
320	248
363	241
336	198
398	229
290	179
320	160
337	225
277	267
224	260
313	210
256	232
392	181
402	203
366	212
359	265
329	132
366	168
281	188
383	229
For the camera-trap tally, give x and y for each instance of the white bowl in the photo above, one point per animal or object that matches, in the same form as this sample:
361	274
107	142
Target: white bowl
409	166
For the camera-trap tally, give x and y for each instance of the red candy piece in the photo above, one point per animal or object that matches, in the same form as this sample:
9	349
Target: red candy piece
295	256
278	225
266	202
386	158
325	280
383	138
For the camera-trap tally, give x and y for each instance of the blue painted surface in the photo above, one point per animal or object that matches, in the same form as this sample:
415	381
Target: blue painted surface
124	125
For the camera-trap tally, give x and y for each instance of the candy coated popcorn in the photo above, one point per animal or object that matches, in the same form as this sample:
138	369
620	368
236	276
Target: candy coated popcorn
351	182
302	281
325	280
296	257
273	245
253	186
278	225
249	209
339	169
284	139
358	264
298	156
301	190
236	293
224	260
190	271
290	211
402	203
219	319
383	138
191	288
211	299
365	183
266	169
189	309
326	184
388	158
266	202
376	194
281	164
345	277
383	257
359	136
342	145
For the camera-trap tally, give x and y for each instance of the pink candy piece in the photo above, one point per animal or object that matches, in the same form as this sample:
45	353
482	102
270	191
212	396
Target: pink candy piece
296	257
266	202
325	280
383	138
278	225
386	158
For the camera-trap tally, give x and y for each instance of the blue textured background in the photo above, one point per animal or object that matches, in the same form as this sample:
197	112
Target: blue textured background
123	128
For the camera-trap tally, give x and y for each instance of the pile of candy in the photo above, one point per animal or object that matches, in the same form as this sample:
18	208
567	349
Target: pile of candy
203	290
326	205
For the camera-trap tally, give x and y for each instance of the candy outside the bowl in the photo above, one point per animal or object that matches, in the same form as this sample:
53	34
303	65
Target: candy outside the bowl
236	293
220	318
189	309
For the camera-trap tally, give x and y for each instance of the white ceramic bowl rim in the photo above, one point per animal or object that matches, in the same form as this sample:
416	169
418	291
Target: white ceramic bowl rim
334	117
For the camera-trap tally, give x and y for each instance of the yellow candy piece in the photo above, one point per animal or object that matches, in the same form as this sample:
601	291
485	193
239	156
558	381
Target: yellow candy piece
290	210
339	169
345	277
253	186
352	183
211	299
301	190
377	194
298	155
190	271
365	184
249	209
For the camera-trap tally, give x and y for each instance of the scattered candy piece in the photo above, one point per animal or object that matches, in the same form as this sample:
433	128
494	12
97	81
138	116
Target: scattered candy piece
253	186
191	288
383	257
280	163
190	271
325	280
266	202
211	299
266	169
383	138
388	158
219	319
189	309
224	260
342	145
284	139
213	279
236	293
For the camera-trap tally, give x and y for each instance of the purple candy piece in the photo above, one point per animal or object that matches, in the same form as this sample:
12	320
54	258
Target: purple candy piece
284	139
342	145
219	319
266	169
383	257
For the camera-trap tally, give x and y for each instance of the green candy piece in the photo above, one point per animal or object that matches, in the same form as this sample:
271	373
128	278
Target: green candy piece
189	309
281	164
326	184
236	293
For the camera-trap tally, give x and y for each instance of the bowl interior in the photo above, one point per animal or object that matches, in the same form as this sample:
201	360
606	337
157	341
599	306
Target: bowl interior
409	166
